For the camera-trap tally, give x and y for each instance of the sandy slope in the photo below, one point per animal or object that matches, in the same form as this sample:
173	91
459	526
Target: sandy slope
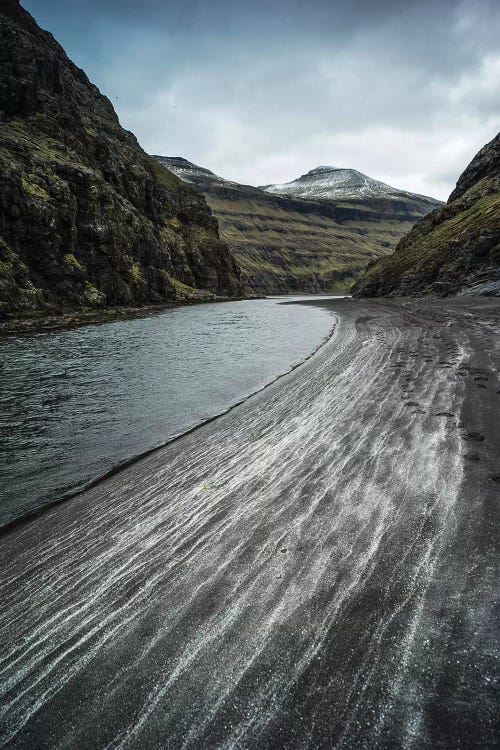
317	569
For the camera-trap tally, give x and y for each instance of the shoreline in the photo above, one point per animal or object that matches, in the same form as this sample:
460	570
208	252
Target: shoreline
10	526
317	568
78	318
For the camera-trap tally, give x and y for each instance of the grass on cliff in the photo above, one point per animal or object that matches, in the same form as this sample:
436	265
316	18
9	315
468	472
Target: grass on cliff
427	251
137	274
182	289
28	134
165	176
271	241
74	262
35	190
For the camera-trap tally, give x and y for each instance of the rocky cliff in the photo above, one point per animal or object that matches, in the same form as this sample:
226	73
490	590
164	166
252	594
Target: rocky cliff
288	243
453	250
87	218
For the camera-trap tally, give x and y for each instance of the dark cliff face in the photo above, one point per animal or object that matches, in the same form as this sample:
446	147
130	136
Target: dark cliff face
87	218
287	244
453	250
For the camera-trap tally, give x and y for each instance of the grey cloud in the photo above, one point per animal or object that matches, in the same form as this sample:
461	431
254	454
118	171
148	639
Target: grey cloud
261	92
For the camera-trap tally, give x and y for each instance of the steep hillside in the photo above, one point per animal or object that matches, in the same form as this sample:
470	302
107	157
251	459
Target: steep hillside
287	244
87	219
453	250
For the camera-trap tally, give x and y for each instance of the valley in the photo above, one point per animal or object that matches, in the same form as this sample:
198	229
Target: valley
287	243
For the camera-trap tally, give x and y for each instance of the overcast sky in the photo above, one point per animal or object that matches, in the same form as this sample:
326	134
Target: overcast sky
262	91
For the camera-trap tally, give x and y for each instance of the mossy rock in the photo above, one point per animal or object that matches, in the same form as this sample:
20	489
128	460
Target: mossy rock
95	220
35	190
94	297
74	263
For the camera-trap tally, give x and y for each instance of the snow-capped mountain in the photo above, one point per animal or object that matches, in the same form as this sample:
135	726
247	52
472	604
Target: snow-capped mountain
189	172
336	183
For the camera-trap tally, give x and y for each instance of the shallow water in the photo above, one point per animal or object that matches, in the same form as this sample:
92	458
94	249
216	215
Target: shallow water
75	403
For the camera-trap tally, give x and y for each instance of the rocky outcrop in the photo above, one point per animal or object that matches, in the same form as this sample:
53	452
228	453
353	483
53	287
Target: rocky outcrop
285	243
453	250
87	218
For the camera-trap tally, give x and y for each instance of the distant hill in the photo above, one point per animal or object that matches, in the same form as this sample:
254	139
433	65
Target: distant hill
334	183
453	250
292	243
87	218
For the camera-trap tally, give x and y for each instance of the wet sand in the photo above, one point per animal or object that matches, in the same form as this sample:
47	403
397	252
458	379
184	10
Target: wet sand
318	568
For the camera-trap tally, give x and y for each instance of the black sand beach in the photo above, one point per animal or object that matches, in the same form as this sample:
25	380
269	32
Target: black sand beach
318	568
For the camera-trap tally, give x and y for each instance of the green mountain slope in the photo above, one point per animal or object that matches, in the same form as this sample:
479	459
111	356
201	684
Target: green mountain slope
287	244
87	218
453	250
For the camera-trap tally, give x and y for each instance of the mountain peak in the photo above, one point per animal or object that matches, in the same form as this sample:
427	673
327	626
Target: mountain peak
325	169
185	169
337	183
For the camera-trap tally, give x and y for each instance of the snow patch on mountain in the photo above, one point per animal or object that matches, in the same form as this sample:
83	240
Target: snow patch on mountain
336	183
186	170
321	183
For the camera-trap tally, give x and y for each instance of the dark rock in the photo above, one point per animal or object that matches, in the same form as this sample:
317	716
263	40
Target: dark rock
453	250
474	436
87	218
472	456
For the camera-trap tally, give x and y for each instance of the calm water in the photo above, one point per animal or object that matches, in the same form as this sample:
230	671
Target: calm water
75	403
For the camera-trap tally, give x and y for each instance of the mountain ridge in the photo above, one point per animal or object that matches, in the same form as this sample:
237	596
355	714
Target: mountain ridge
339	182
287	244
